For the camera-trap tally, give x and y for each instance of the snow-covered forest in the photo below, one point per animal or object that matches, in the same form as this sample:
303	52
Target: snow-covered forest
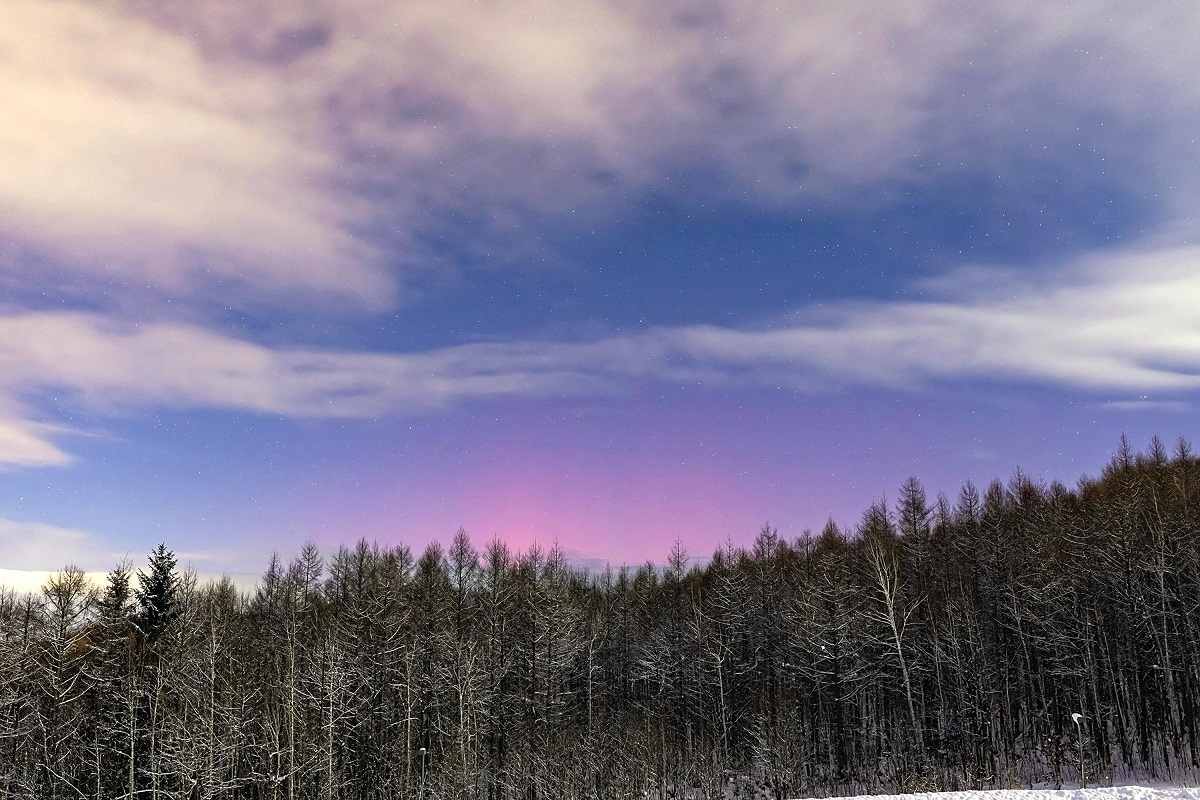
943	643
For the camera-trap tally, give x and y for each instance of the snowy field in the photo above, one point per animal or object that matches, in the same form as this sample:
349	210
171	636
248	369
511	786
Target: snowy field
1113	793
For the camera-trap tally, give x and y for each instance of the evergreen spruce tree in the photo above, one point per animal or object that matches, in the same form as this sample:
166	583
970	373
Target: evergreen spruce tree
156	594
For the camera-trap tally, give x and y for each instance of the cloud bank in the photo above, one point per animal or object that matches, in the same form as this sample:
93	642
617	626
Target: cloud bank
282	150
34	551
33	545
1121	324
131	158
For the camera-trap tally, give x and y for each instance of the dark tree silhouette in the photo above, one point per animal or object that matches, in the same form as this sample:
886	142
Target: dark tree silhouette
156	593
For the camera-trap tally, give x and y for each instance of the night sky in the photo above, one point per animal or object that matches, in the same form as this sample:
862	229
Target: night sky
605	274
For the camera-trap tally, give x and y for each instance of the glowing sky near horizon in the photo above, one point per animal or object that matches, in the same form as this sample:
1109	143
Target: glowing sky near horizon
606	274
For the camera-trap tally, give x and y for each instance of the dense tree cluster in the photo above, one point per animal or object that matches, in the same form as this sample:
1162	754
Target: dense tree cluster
942	643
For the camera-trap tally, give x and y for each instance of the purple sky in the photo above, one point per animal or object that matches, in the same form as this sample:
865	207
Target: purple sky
600	273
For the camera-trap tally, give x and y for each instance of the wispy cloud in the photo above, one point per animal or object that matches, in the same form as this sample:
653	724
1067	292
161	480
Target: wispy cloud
1113	321
1118	322
1142	405
27	443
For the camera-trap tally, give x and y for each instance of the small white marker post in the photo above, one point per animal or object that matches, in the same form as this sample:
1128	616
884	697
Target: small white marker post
1076	718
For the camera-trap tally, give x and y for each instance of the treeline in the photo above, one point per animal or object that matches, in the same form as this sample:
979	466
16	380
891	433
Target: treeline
939	644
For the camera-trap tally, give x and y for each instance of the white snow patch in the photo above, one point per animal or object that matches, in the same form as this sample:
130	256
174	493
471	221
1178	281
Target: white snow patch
1105	793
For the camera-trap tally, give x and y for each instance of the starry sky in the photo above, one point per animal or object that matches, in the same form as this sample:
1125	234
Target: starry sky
606	274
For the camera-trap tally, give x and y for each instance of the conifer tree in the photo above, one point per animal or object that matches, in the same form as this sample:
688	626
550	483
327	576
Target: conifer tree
156	594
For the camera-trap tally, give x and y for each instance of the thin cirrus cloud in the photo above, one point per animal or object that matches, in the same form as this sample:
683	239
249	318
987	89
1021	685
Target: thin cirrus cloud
1122	324
1145	404
280	148
27	443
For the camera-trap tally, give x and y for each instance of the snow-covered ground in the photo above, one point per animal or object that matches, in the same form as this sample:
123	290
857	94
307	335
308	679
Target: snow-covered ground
1113	793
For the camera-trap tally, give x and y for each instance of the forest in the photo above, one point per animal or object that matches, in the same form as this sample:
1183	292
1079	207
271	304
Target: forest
1013	635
